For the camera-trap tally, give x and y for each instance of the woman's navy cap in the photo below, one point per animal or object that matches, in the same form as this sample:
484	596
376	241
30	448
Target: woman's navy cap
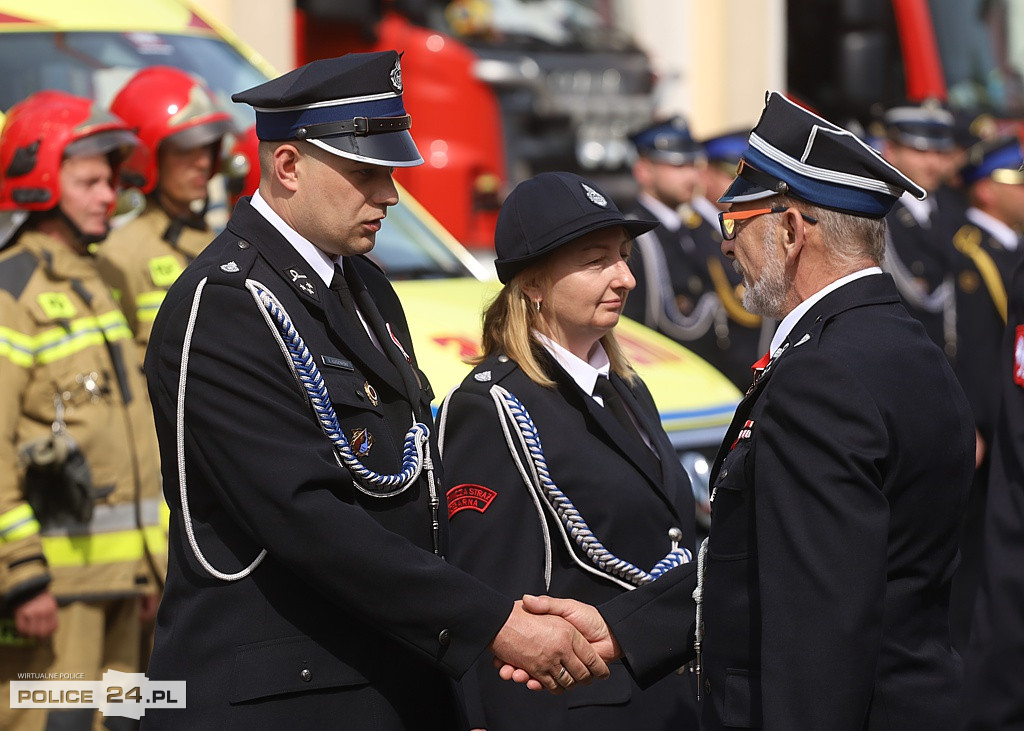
794	152
551	210
998	158
350	106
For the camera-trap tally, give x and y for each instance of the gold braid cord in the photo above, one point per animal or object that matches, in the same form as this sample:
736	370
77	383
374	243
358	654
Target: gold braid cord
727	296
968	242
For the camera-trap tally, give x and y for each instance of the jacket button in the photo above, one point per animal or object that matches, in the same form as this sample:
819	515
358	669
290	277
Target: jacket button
444	637
306	675
723	474
503	359
243	244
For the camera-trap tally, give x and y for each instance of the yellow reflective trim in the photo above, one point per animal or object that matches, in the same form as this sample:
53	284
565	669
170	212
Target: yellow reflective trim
57	343
89	550
18	523
148	305
16	347
163	270
56	305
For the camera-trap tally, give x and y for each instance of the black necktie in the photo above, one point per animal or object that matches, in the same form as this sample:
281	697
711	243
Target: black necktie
388	344
340	286
613	402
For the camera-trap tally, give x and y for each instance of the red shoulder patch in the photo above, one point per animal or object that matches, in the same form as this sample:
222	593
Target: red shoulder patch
469	497
1018	356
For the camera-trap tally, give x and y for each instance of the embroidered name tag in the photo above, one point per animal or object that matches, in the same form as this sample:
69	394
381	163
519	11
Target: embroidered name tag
332	362
469	497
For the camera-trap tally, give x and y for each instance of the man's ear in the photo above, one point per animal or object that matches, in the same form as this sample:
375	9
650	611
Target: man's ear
795	229
286	159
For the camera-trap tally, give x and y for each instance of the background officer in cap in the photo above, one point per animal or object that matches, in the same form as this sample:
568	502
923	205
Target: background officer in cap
306	581
79	488
749	334
616	504
993	683
683	288
180	127
824	584
918	142
988	249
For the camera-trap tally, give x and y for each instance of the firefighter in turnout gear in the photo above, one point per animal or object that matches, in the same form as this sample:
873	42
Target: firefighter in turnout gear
79	494
180	128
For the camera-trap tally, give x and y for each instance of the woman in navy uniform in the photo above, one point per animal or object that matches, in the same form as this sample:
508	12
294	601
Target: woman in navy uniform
602	499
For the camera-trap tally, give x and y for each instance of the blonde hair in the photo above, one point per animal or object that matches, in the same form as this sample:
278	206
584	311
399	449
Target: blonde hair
508	325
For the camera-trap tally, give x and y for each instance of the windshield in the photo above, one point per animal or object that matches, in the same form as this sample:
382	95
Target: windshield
96	65
584	24
981	43
407	249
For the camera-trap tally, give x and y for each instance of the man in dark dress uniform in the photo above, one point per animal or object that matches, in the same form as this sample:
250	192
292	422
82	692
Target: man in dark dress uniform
748	334
306	584
993	681
677	264
918	142
988	249
838	491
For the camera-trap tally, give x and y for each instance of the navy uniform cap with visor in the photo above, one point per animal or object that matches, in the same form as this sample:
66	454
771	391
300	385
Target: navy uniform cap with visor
924	127
796	153
549	211
350	106
726	148
999	159
668	141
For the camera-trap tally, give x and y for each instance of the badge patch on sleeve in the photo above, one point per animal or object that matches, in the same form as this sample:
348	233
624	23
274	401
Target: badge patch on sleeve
1018	356
469	497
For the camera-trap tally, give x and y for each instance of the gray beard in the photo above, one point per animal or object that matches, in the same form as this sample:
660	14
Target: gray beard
767	296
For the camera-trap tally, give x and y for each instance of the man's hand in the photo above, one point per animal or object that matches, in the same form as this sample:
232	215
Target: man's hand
37	618
585	618
547	649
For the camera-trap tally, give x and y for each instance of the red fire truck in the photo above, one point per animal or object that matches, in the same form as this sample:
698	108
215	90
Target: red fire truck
499	90
850	59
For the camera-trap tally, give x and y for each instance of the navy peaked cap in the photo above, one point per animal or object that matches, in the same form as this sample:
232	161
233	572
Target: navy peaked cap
726	148
350	106
999	159
924	127
668	141
548	211
794	152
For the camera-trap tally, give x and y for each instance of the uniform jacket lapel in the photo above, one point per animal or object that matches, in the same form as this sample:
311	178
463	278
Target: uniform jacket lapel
870	290
631	448
249	225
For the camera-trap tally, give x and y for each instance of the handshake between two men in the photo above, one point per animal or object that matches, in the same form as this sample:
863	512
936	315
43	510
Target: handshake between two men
530	649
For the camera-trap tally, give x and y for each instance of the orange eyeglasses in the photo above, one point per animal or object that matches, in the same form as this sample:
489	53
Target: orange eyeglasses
727	219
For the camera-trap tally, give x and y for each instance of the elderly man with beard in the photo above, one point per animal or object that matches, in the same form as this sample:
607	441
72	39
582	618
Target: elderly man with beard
823	588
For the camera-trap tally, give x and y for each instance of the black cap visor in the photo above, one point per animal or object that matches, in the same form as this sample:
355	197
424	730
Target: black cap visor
392	149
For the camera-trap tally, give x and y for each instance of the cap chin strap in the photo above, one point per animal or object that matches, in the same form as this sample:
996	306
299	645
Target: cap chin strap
766	181
359	126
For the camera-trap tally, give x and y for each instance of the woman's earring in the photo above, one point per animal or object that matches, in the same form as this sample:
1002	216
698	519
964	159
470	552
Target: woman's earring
538	305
